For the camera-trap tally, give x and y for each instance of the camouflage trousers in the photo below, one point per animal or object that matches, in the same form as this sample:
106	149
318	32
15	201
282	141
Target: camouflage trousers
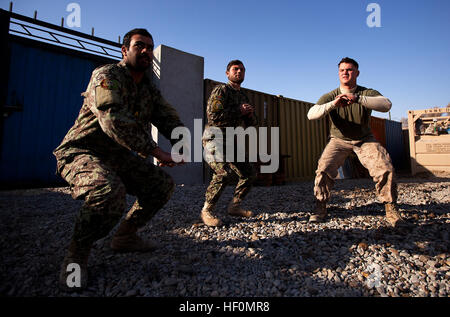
372	156
225	173
103	184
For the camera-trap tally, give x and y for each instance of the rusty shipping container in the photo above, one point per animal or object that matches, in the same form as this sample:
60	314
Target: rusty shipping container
378	127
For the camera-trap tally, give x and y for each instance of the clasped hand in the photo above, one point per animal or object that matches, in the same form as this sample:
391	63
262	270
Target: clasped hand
344	100
246	109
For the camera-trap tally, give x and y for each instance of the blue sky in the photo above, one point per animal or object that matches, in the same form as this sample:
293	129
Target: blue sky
290	48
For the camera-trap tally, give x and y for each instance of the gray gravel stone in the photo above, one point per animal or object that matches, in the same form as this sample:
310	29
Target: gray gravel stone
275	253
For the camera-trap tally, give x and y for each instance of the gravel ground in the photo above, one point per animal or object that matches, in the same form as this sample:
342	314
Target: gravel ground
275	253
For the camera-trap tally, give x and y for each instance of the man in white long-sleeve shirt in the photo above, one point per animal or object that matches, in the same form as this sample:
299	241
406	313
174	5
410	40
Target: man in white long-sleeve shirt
349	108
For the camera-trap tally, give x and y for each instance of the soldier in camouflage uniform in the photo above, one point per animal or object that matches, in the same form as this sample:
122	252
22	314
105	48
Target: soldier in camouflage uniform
104	155
349	108
227	107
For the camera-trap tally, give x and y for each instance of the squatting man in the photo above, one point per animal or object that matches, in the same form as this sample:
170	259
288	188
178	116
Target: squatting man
349	108
105	154
230	119
228	106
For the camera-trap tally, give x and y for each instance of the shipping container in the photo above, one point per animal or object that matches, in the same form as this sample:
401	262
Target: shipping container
42	100
378	127
302	140
395	144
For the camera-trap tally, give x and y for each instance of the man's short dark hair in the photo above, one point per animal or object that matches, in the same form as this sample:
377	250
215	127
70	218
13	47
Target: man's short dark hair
234	62
349	60
127	37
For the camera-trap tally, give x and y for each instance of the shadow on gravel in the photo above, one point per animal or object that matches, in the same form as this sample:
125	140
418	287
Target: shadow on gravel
292	259
33	223
268	267
300	263
285	263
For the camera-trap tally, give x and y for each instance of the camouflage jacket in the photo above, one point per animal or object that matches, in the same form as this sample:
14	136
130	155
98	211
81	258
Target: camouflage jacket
223	108
116	116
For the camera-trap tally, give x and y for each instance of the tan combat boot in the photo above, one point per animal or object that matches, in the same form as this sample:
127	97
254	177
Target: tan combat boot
208	218
320	213
126	239
393	216
234	209
74	275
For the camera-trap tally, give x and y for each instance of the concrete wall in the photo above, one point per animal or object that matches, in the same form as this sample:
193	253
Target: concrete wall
179	76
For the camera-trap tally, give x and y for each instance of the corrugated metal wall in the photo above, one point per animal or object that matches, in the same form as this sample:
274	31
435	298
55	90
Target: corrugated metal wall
303	140
395	144
389	133
47	85
378	127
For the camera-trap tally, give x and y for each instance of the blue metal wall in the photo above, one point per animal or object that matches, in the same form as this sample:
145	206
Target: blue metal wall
352	168
48	85
395	143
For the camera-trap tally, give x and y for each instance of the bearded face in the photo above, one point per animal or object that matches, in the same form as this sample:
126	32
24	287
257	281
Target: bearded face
236	74
140	53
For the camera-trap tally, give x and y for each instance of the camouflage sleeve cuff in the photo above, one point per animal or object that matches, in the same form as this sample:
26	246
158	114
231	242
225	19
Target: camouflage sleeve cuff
148	149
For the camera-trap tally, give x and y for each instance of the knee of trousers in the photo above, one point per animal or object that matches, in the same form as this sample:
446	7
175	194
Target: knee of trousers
223	178
384	173
158	190
322	177
166	184
329	171
107	199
